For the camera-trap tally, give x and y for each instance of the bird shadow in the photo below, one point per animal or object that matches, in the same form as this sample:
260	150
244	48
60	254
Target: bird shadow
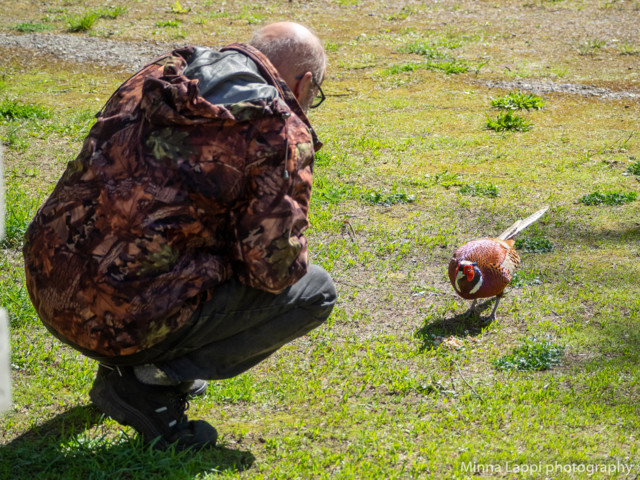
468	324
67	446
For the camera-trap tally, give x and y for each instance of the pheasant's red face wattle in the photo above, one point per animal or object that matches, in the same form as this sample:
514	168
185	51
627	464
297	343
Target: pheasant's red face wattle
468	271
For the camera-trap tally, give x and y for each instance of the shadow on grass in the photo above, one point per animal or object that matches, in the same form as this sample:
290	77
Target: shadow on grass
461	325
70	446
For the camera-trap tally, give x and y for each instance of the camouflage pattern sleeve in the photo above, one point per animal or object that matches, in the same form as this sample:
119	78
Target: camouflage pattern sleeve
271	249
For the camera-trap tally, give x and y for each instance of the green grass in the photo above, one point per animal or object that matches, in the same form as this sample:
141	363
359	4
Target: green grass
387	199
169	23
31	27
508	121
479	190
14	109
445	66
111	12
518	101
178	8
534	244
634	168
608	198
20	207
82	23
85	21
398	383
532	355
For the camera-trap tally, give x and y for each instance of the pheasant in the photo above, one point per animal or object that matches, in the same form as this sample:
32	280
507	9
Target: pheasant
483	268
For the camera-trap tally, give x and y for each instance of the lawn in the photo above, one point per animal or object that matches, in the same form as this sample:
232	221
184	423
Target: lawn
445	121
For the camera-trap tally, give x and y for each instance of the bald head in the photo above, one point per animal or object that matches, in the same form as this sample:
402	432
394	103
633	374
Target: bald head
294	50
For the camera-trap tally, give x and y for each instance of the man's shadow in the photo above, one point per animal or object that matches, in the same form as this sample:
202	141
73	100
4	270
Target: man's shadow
63	448
462	325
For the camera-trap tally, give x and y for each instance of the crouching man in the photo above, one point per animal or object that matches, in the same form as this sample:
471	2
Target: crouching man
172	250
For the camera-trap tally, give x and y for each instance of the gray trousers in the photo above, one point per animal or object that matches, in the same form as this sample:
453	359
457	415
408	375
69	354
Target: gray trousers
241	326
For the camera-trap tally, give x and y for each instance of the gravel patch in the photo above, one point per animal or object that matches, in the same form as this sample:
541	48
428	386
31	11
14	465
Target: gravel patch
129	56
542	87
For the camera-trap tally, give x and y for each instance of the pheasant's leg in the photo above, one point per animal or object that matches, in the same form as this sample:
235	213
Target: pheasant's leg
492	317
472	309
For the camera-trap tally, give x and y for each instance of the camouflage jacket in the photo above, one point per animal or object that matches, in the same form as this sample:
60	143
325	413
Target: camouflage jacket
170	196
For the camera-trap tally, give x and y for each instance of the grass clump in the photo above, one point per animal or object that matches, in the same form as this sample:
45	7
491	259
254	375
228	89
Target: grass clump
423	48
29	27
13	109
178	8
634	168
628	49
387	199
331	194
608	198
82	23
448	179
531	356
111	12
534	245
518	101
480	190
508	121
169	23
449	67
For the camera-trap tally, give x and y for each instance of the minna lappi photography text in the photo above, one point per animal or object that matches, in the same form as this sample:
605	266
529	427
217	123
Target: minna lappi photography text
609	468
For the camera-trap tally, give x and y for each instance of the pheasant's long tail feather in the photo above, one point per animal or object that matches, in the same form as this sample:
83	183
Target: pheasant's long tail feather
520	225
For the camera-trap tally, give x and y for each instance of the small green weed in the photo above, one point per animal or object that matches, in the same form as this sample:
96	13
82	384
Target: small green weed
449	67
331	194
215	15
331	47
530	356
508	121
628	49
634	168
608	198
13	109
169	23
518	101
111	12
81	23
477	189
589	47
448	179
534	245
29	27
387	199
421	47
178	8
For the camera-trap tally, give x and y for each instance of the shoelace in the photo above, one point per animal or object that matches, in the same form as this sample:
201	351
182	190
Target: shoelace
178	404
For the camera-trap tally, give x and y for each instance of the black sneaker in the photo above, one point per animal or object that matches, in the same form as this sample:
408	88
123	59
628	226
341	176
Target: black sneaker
156	412
195	388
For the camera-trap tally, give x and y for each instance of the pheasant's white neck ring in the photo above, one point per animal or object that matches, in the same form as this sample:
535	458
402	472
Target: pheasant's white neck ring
478	284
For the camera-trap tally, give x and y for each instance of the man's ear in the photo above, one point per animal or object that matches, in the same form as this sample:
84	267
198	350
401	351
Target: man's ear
303	85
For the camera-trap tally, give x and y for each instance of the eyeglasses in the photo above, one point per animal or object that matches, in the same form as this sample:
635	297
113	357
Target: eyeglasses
320	97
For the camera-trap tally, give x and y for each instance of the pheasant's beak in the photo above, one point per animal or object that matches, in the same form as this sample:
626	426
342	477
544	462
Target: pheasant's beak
468	271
